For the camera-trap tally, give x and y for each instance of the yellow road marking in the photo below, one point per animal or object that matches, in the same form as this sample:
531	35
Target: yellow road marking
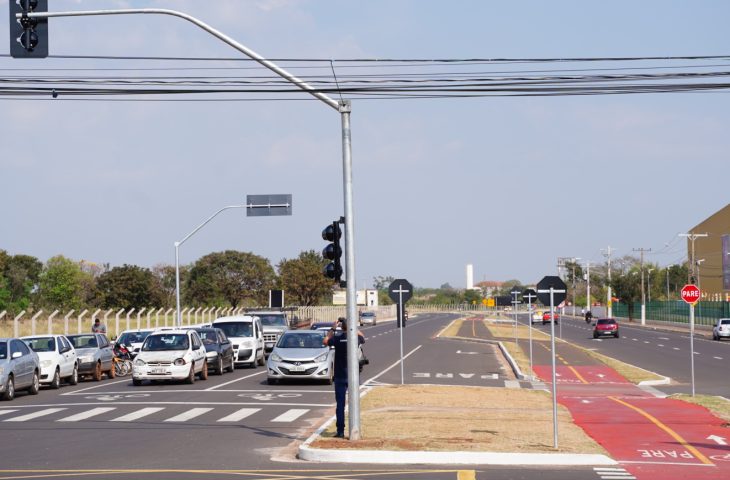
580	377
260	474
668	430
466	475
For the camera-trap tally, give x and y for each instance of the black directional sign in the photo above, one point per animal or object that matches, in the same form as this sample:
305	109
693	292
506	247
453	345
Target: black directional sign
400	290
530	294
559	290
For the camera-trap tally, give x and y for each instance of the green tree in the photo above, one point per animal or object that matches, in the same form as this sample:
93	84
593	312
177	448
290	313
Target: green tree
472	297
302	280
21	274
128	286
230	276
61	284
627	288
382	282
165	281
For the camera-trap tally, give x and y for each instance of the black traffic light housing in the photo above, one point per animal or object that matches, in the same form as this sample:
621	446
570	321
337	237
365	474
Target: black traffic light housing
28	36
333	251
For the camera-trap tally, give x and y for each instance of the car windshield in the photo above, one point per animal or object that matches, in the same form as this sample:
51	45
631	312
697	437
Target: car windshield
273	320
301	340
83	341
236	329
41	344
368	314
166	341
725	321
3	350
208	336
606	322
128	338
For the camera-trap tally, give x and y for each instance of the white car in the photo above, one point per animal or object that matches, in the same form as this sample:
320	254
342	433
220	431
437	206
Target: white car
133	339
721	329
247	336
170	355
57	358
536	316
301	355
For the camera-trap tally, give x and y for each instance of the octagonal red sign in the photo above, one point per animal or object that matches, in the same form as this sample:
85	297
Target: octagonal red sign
690	293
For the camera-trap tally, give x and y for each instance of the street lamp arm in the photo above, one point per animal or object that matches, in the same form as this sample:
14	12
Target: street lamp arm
220	35
177	244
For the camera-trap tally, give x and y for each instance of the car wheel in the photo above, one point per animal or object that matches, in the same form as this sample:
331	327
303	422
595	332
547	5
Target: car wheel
136	382
232	366
111	373
715	337
35	386
191	375
219	368
617	336
96	376
203	375
595	335
9	393
56	382
262	361
74	378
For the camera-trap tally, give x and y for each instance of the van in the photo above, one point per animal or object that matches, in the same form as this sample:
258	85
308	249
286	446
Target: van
246	336
275	324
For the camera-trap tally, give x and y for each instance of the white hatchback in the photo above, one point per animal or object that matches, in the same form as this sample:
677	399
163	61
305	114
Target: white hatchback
170	355
57	358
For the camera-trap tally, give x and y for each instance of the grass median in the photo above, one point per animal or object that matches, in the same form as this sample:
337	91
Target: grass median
450	418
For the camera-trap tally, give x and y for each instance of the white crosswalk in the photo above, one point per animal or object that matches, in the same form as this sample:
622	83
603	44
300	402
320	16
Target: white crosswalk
107	414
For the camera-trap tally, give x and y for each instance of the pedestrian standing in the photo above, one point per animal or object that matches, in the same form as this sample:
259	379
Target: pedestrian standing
98	327
338	339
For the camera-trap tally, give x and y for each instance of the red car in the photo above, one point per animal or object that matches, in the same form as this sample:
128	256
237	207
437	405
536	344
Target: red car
546	317
605	326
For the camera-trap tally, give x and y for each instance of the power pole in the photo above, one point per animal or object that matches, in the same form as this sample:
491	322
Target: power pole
588	286
692	266
643	292
609	297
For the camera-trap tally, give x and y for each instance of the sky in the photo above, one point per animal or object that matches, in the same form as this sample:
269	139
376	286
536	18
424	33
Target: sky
508	184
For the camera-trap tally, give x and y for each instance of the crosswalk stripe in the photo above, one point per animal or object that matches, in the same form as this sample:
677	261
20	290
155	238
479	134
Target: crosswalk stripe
138	414
291	415
239	415
192	413
4	412
84	415
39	413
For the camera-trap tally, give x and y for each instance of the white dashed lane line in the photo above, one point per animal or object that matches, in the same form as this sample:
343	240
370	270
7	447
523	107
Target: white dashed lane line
717	358
676	348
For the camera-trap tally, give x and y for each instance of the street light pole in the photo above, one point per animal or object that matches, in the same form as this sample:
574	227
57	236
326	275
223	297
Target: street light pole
609	299
344	108
648	282
574	261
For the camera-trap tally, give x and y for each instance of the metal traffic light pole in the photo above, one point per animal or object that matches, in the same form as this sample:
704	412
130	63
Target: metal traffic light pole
344	108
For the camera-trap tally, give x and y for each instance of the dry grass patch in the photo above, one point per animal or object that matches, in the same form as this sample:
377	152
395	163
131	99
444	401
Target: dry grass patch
508	332
453	329
719	406
629	372
441	418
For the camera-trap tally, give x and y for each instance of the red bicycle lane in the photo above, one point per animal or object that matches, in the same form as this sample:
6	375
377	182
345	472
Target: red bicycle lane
653	438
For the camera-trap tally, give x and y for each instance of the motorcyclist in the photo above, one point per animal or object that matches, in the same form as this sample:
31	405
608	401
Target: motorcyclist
589	316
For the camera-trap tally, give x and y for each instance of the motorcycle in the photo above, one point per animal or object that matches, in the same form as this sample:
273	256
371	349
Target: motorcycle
122	360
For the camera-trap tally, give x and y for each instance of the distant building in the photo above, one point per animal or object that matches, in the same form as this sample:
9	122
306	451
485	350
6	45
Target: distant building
712	255
488	288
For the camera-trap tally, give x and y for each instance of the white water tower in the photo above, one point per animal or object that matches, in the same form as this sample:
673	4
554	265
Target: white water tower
470	276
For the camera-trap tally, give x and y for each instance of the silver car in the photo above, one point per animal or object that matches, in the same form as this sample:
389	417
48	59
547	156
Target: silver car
721	329
301	355
19	368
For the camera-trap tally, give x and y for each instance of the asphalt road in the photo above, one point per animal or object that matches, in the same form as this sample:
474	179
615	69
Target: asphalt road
235	423
664	352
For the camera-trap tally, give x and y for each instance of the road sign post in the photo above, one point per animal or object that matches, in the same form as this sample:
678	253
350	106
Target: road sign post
691	295
529	294
515	302
551	290
400	291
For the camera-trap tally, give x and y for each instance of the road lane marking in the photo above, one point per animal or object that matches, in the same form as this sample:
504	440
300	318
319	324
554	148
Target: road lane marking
239	415
676	348
190	414
466	475
717	358
88	414
660	345
233	381
143	412
291	415
698	455
575	372
30	416
397	362
95	386
5	412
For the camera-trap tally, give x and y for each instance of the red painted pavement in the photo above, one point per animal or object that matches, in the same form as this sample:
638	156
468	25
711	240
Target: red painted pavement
603	408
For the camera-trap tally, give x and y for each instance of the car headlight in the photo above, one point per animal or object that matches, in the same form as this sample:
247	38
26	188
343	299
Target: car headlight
179	362
86	358
275	357
46	363
211	354
139	362
321	358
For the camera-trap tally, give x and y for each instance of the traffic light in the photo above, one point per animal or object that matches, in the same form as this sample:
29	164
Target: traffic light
333	251
28	36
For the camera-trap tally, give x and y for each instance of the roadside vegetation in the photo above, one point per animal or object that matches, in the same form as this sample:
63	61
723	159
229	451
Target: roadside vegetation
719	406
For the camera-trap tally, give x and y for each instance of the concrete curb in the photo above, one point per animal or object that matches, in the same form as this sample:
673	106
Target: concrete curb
449	458
652	383
515	368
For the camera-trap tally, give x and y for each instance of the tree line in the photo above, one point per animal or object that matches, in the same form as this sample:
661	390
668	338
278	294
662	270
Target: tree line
228	278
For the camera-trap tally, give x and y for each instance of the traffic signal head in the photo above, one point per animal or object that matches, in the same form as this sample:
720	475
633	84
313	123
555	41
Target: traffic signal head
333	251
28	36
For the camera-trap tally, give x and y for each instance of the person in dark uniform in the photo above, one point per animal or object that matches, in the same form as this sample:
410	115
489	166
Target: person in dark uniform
338	340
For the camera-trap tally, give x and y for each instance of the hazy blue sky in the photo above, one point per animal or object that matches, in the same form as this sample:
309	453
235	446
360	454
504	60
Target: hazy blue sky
507	184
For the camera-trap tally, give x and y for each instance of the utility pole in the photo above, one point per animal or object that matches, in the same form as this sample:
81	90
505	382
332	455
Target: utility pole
588	286
609	297
692	237
643	292
668	267
574	260
648	283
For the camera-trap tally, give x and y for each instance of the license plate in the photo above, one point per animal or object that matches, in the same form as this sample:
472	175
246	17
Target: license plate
296	368
158	371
